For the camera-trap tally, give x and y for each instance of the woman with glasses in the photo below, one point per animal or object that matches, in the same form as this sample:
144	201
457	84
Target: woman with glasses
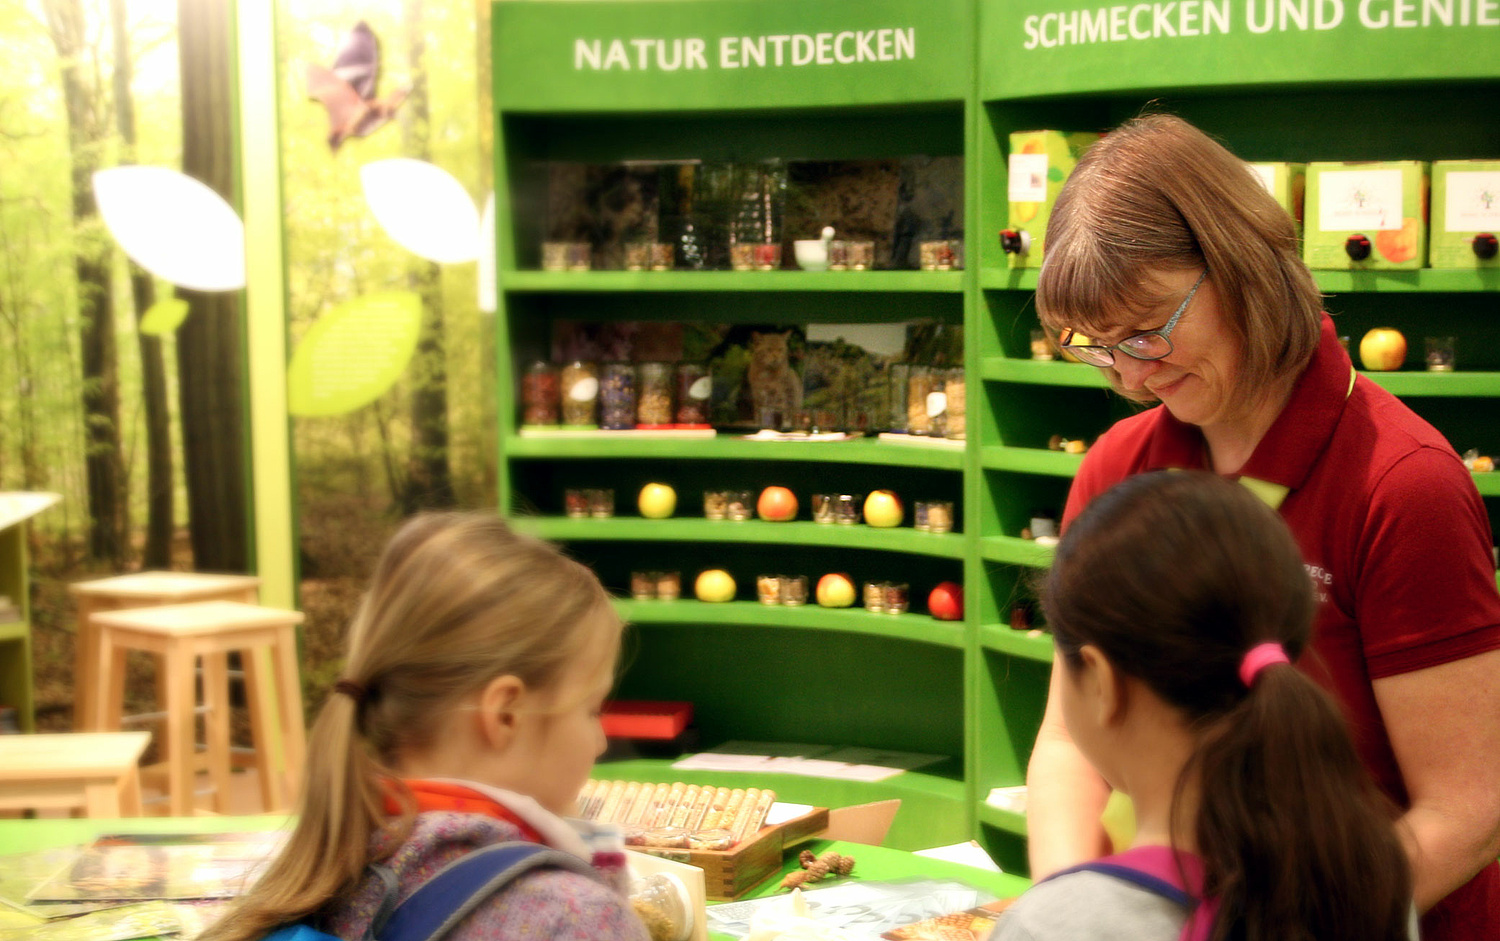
1169	267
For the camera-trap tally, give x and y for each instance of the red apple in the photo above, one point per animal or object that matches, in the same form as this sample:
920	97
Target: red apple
777	504
946	601
836	590
883	509
1382	349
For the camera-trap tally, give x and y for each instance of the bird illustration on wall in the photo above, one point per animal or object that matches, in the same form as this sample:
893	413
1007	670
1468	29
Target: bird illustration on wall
347	89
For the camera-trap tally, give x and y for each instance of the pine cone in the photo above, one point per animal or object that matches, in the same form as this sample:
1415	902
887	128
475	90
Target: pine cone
845	866
807	858
793	879
817	871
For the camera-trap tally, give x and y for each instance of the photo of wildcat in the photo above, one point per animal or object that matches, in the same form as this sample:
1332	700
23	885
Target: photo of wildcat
775	387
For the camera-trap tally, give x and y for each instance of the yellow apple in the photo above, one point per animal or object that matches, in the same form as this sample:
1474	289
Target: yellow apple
1382	349
836	590
657	501
714	585
883	509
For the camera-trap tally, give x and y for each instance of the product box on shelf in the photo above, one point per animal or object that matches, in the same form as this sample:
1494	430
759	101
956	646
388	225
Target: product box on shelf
1286	182
1366	215
1465	214
1039	164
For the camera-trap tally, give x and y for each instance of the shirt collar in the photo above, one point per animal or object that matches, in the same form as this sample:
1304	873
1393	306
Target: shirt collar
1291	446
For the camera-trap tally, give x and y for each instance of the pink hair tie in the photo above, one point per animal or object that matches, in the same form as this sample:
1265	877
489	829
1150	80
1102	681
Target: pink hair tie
1259	657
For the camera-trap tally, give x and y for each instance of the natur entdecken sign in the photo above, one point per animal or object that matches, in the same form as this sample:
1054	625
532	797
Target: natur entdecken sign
690	54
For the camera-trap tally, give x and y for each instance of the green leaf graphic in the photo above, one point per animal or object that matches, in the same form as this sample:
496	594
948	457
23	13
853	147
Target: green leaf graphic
353	354
1054	173
164	317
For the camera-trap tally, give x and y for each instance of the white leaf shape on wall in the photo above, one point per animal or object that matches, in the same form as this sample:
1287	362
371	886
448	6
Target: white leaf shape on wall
173	226
487	285
423	208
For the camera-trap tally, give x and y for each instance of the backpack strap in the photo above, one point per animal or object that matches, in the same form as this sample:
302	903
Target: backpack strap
447	898
1159	870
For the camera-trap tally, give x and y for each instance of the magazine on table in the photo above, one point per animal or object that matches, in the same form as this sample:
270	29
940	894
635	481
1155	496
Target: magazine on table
142	867
859	909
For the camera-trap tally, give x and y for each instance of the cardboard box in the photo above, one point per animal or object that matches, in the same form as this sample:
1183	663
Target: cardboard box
1465	204
1286	182
1382	204
1039	164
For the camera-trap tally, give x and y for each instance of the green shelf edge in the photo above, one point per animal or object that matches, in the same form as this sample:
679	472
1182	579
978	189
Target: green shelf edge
1488	484
1041	372
796	533
588	282
920	628
15	630
1415	384
1007	820
734	448
1014	550
1414	281
1001	639
1029	460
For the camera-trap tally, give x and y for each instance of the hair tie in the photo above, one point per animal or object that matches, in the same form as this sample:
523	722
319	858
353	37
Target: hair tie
353	690
1259	657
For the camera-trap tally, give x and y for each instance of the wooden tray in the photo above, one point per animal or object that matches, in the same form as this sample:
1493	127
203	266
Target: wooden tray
732	873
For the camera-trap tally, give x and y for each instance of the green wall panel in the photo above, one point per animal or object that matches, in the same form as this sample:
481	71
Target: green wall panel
681	55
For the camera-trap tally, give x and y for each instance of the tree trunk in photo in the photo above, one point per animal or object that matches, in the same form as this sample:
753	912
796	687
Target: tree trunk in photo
108	497
488	393
211	341
159	484
430	478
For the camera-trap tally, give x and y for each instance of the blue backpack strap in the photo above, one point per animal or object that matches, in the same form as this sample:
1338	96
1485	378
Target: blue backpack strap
298	932
448	897
1146	880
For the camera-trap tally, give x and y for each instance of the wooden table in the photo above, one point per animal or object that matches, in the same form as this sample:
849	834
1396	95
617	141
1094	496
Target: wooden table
95	772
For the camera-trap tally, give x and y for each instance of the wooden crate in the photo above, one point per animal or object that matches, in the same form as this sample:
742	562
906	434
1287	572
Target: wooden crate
732	873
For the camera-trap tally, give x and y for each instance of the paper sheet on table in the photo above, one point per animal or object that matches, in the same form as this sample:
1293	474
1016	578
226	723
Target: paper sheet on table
862	908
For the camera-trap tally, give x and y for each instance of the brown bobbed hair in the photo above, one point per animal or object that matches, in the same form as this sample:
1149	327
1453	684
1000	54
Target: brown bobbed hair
1154	195
457	600
1173	576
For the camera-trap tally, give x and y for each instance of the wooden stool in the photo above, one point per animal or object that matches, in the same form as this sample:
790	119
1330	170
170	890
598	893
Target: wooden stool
210	629
138	590
90	771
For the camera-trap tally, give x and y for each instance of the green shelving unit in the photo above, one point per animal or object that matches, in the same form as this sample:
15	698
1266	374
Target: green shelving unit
1287	95
973	690
754	672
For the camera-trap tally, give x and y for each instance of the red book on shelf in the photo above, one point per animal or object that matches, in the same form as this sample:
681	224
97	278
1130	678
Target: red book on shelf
643	719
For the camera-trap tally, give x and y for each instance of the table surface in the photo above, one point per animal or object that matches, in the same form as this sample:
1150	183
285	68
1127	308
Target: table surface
165	584
875	863
70	755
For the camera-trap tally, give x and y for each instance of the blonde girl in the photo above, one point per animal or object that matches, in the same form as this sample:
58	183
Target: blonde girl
467	715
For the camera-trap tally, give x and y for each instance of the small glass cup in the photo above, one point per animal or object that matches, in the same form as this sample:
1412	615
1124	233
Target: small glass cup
539	394
838	255
824	507
919	516
654	394
580	393
1041	346
694	390
861	254
875	597
1043	526
741	504
742	256
768	589
956	395
896	598
555	256
576	502
715	504
637	256
846	509
643	585
767	256
1440	354
940	516
793	590
617	397
928	253
661	256
601	503
668	586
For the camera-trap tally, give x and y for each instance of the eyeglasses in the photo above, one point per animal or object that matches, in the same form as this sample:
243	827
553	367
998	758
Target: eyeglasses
1148	346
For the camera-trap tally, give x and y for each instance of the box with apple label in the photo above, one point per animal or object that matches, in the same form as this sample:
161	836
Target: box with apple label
1465	214
1286	182
1366	215
1039	164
